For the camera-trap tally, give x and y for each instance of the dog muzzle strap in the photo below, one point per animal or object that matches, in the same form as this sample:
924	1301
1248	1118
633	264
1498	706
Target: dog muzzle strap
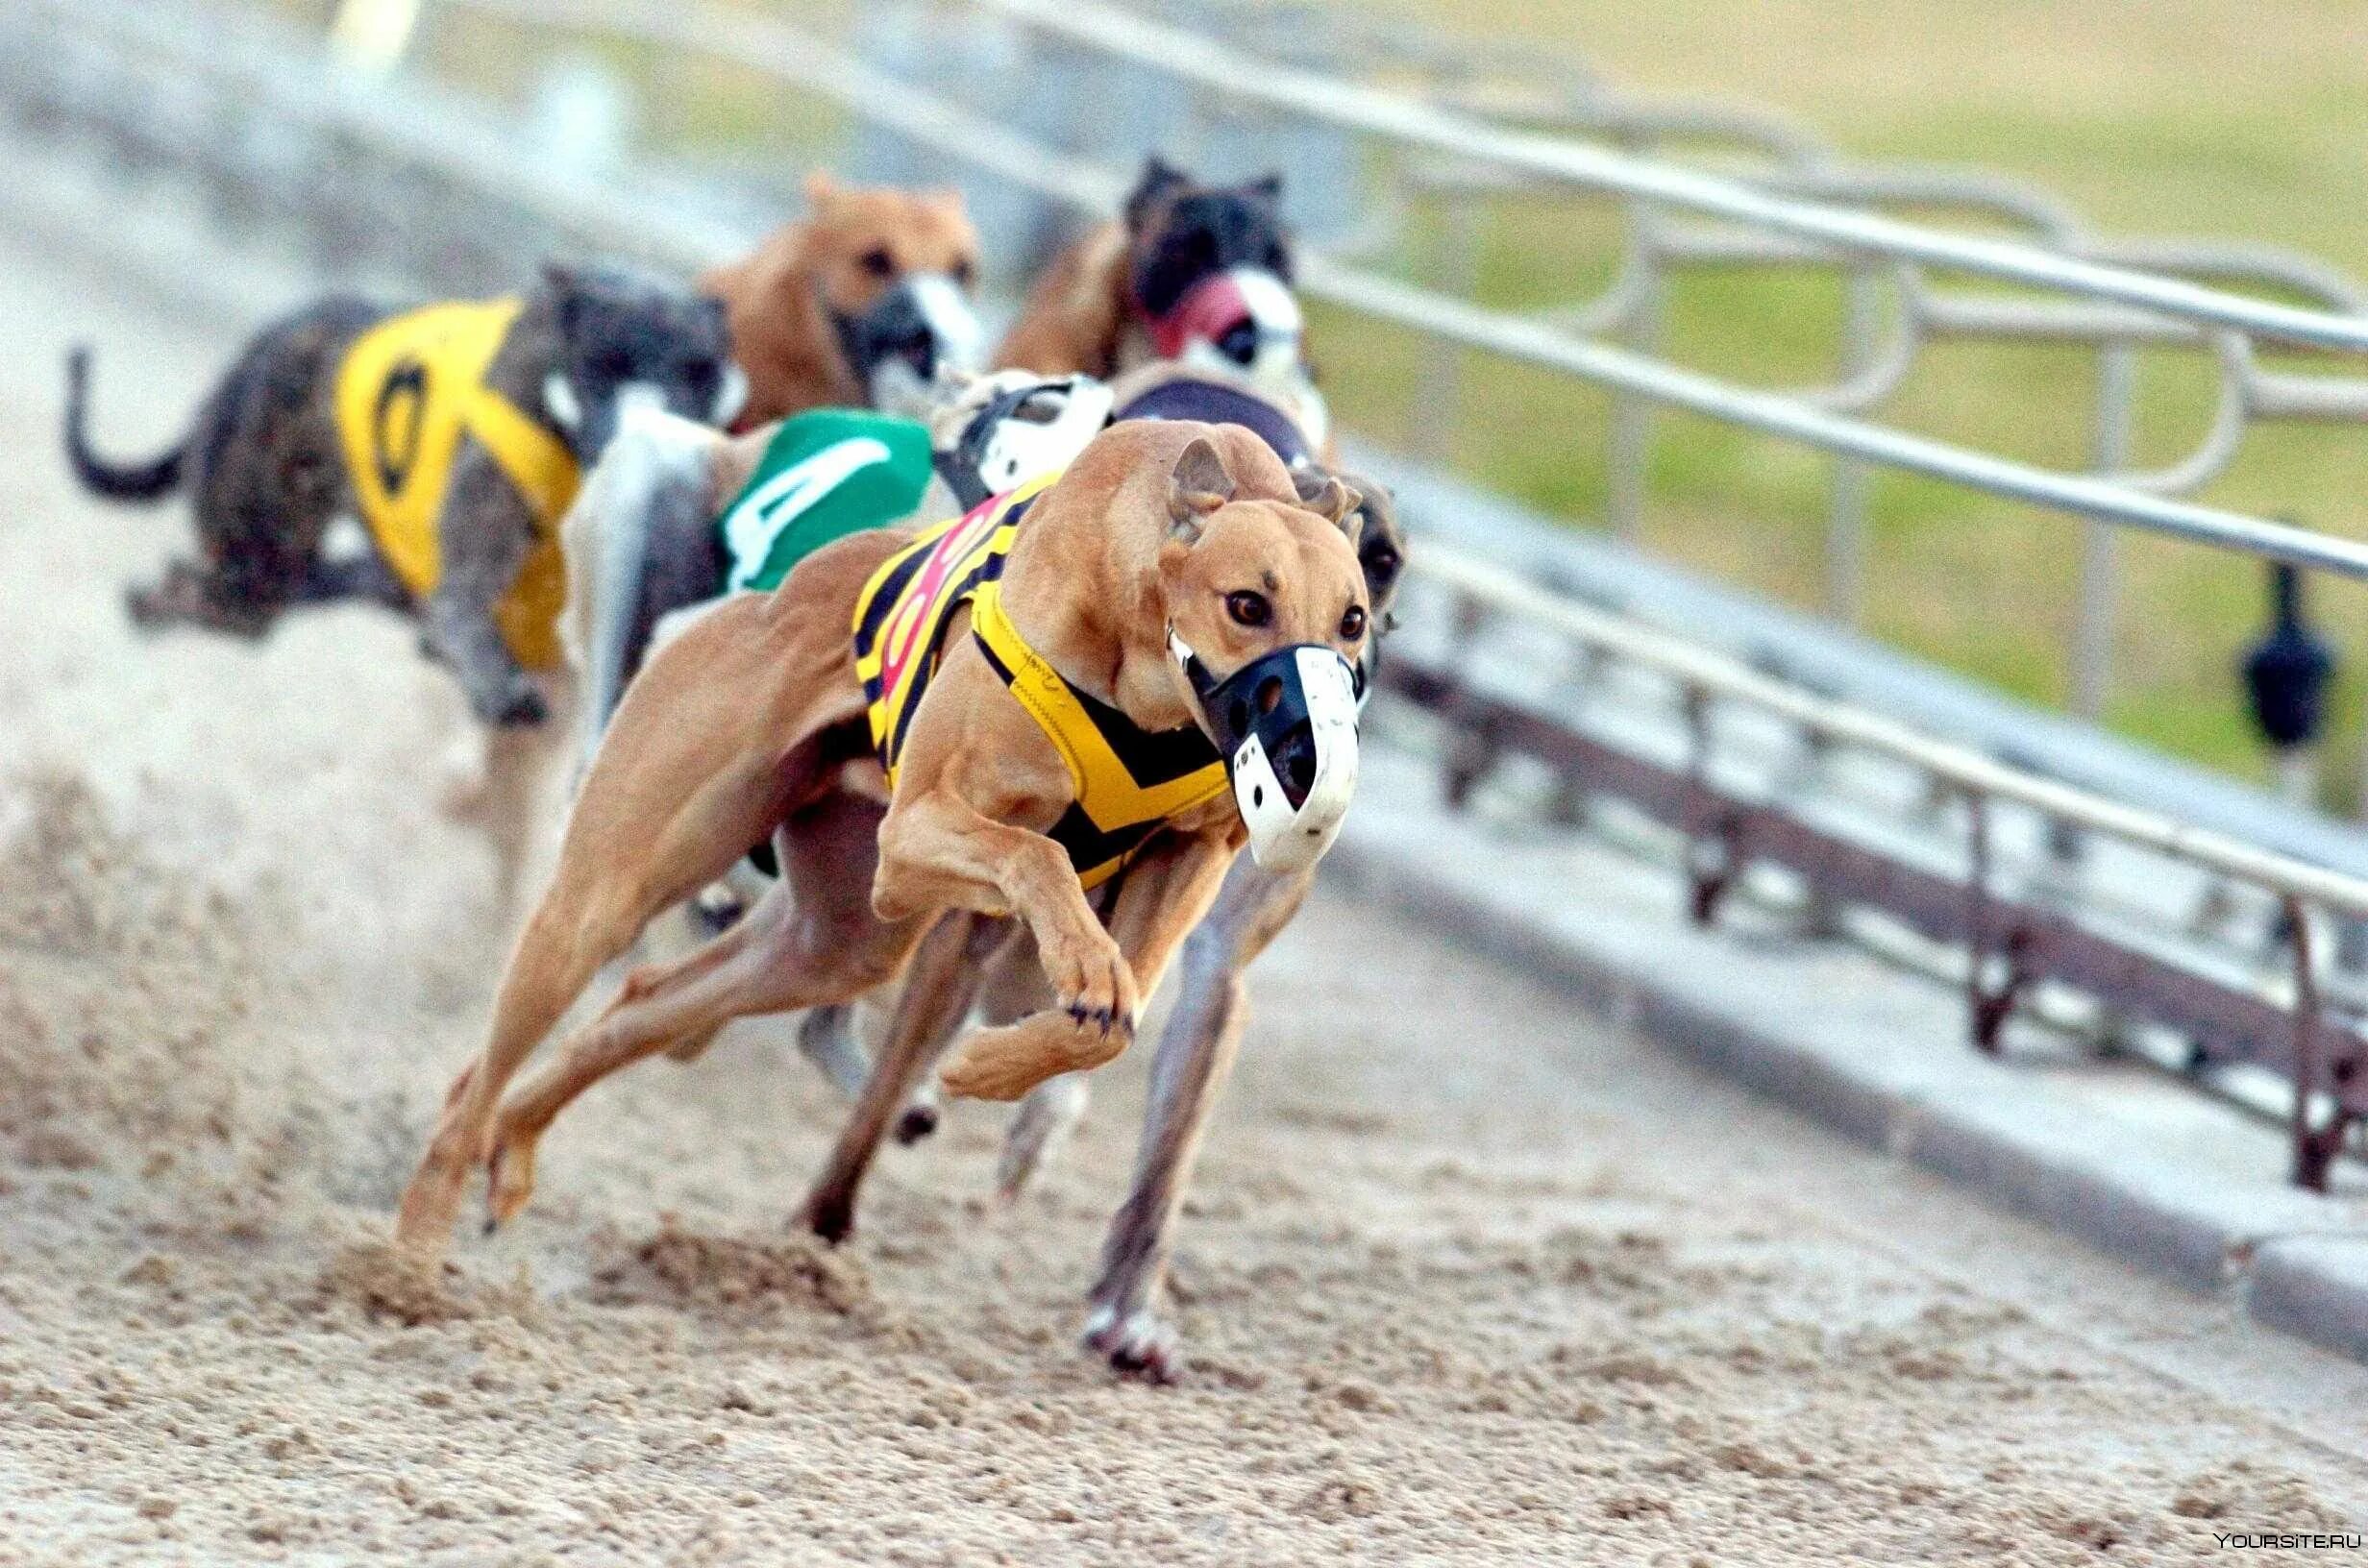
1286	724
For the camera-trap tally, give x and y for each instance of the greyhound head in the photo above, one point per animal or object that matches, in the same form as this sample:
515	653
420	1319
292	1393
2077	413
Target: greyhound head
624	339
895	272
1209	273
1267	618
989	434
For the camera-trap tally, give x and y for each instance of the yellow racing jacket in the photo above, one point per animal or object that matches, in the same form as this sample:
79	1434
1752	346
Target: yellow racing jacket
407	391
1127	780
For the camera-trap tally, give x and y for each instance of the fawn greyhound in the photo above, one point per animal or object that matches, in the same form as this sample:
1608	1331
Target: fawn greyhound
1157	670
862	302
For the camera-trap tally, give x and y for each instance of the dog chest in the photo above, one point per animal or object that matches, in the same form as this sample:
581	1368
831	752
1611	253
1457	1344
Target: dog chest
1126	781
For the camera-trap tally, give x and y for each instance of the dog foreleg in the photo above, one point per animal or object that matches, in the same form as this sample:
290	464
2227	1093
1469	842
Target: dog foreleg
1164	894
639	541
1195	1056
485	536
938	852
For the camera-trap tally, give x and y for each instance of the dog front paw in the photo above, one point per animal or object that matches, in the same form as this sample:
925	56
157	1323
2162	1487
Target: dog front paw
1139	1343
1094	982
1005	1063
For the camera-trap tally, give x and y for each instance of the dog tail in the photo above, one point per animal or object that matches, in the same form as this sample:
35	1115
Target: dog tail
120	481
650	488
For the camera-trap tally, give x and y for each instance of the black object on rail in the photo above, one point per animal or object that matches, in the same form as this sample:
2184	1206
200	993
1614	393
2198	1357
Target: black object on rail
2286	671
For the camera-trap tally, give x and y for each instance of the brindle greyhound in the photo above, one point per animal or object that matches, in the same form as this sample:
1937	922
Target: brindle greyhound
1189	271
454	432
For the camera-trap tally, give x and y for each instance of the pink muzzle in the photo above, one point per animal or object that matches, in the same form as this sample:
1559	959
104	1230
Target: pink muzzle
1221	304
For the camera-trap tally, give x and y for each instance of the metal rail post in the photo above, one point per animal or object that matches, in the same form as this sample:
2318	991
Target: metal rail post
1630	446
2092	631
1845	527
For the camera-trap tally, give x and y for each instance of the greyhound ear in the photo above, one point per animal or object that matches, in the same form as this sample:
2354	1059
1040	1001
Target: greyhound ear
1267	188
819	187
1199	486
1328	498
1159	177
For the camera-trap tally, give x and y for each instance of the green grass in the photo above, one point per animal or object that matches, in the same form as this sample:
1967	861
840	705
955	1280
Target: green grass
2184	118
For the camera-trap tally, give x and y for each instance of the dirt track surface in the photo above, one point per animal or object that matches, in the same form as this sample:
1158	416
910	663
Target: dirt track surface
1465	1278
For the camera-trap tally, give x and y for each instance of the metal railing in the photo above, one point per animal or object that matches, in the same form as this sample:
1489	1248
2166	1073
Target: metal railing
474	182
2012	942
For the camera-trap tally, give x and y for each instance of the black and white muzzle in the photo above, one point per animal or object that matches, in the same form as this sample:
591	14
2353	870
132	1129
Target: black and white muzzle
913	331
1286	724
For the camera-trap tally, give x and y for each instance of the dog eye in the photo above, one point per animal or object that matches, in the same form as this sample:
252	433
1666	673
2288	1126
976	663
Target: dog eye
965	273
878	262
1352	625
1248	608
1381	566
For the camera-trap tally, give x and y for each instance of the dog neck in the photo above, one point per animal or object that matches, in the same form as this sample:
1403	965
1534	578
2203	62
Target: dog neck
523	366
794	357
1111	644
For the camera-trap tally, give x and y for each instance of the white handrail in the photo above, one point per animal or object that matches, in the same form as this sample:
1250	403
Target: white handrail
1414	123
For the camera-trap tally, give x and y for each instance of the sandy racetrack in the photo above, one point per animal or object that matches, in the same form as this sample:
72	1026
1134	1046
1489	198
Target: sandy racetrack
1465	1277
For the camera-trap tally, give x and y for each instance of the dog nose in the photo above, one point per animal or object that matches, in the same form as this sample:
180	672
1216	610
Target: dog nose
916	343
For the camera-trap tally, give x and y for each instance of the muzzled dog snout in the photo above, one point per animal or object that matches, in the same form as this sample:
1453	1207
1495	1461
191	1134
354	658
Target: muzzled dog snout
912	332
1287	724
1244	317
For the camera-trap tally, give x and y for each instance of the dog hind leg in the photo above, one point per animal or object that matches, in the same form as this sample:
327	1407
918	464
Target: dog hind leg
681	790
937	991
810	942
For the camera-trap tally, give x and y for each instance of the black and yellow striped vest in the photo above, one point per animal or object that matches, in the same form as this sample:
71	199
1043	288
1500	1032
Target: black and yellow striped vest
1126	780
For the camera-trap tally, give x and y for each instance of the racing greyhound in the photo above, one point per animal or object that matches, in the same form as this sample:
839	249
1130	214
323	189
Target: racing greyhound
1189	272
1157	671
862	303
